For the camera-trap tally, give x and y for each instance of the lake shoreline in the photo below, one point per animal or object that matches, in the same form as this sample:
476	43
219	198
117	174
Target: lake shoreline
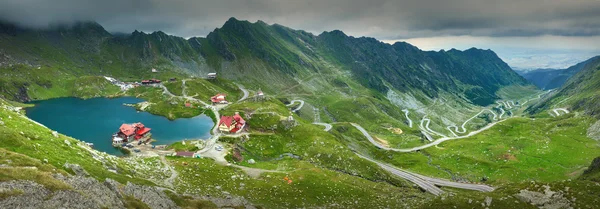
76	116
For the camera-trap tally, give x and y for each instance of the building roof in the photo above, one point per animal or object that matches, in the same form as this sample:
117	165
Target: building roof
212	73
185	154
143	131
227	120
218	98
239	119
127	129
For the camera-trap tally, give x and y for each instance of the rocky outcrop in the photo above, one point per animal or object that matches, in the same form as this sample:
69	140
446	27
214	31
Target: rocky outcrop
152	196
85	192
547	200
33	195
594	131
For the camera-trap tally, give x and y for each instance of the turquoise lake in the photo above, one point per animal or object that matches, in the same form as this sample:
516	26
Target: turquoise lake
95	120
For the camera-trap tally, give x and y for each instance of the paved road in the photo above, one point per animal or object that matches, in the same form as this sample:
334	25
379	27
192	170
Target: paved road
246	93
436	142
297	108
464	130
427	186
407	118
327	125
426	127
366	134
448	183
560	109
428	183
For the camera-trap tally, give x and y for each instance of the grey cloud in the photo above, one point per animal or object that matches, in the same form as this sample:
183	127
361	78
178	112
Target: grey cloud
382	19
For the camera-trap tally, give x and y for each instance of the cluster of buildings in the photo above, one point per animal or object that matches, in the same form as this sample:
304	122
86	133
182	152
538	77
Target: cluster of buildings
123	85
131	132
232	124
218	99
151	81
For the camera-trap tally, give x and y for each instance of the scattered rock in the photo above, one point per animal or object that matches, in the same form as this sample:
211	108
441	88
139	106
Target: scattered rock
77	169
548	200
594	131
251	161
45	160
152	196
67	142
113	186
488	201
55	134
1	123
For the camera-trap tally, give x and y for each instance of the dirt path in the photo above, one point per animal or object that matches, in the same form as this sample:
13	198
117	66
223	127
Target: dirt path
169	181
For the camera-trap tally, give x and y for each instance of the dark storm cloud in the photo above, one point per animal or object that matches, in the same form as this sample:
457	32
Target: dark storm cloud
383	19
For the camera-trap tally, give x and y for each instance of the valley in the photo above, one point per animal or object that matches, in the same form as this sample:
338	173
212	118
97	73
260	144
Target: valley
327	121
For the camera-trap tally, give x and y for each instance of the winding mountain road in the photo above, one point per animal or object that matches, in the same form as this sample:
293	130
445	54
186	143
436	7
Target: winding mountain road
464	130
297	108
407	118
560	109
426	127
327	125
435	142
245	91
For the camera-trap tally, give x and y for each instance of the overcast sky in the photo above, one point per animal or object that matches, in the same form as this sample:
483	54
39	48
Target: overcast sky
525	33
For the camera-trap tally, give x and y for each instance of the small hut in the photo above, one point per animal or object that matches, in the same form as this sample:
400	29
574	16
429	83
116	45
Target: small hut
212	76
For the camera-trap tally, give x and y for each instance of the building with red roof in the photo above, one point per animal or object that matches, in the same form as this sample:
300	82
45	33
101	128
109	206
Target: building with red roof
218	99
135	131
231	124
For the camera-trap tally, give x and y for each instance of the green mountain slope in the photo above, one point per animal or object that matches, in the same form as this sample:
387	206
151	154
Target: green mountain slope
579	93
266	56
553	78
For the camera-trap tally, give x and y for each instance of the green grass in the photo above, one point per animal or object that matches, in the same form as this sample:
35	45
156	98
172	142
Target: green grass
517	150
22	167
188	202
179	146
174	87
131	202
204	89
22	136
164	105
311	186
10	193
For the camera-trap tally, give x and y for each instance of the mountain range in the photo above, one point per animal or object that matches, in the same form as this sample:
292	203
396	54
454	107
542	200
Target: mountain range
344	122
271	57
552	78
